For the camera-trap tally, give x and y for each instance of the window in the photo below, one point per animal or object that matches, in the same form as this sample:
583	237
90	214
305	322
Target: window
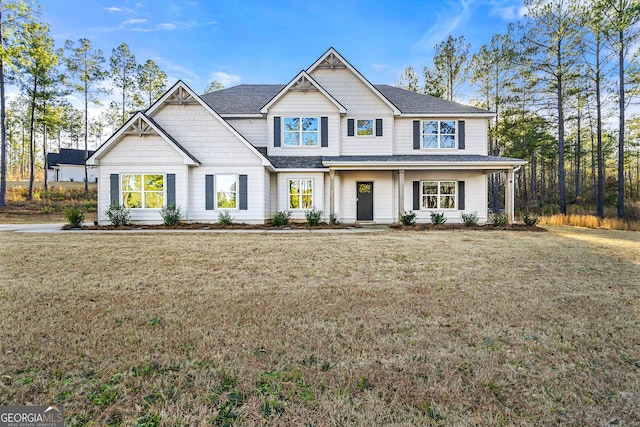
226	191
364	127
438	194
300	194
438	134
142	191
301	132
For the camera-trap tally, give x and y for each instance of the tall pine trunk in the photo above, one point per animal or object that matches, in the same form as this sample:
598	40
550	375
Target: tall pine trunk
621	127
32	140
561	172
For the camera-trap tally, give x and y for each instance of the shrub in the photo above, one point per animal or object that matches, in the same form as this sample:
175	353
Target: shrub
74	216
225	218
171	215
530	220
313	216
280	218
470	219
408	218
333	219
118	215
438	218
499	220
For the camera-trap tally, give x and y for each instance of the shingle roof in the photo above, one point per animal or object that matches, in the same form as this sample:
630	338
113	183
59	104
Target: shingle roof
249	99
438	158
296	162
67	156
416	103
171	138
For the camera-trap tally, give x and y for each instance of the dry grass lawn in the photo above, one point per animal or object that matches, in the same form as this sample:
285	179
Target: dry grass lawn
396	328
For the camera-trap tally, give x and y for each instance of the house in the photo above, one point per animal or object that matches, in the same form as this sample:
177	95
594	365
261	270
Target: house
68	165
328	139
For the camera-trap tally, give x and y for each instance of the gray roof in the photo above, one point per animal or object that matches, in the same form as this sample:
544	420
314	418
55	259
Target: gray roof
249	99
296	162
67	156
452	158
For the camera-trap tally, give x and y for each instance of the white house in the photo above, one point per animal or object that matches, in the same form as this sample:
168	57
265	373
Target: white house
68	165
329	139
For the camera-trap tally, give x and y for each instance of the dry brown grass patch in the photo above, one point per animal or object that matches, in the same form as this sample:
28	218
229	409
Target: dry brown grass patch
392	328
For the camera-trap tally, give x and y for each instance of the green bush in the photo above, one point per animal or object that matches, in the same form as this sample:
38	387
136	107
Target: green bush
408	218
118	215
470	219
438	218
499	220
314	216
74	216
171	215
280	218
530	220
225	218
333	219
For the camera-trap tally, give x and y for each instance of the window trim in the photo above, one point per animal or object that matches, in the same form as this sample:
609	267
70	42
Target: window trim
439	195
289	194
215	191
300	132
439	134
143	198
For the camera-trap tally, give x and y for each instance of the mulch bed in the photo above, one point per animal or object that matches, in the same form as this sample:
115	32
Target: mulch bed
485	227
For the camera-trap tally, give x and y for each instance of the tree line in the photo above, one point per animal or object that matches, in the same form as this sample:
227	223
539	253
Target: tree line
41	118
560	81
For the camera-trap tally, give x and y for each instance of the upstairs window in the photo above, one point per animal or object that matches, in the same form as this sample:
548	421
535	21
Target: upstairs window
439	134
438	194
142	191
364	127
301	132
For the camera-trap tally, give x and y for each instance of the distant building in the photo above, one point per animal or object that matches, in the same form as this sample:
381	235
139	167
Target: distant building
68	165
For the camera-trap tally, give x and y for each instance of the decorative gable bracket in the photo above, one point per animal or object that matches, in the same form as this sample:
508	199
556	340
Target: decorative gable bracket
303	85
140	127
332	61
181	97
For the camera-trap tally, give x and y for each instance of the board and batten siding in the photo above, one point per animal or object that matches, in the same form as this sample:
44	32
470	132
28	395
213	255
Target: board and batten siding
204	136
384	204
305	104
475	137
475	189
319	201
254	214
254	130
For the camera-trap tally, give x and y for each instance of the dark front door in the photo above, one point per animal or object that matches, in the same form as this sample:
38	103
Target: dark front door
365	201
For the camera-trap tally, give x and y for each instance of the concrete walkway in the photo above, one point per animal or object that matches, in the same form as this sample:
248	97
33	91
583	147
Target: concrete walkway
57	228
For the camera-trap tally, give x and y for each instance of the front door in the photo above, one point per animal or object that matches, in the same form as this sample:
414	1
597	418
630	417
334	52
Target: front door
365	201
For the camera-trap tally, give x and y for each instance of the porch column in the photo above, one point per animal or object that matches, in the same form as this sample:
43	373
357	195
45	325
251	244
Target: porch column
509	196
400	193
332	191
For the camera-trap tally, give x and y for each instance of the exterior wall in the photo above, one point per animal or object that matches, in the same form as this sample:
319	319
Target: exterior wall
319	194
142	150
305	104
475	193
475	137
368	145
255	194
384	198
254	130
71	173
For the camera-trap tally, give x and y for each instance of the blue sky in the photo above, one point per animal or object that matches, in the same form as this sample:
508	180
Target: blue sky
246	41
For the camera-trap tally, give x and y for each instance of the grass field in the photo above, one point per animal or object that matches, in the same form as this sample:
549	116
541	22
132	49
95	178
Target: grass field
454	328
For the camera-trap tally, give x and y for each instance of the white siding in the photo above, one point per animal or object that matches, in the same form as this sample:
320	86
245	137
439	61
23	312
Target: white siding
71	173
475	193
305	104
384	204
254	130
204	136
318	193
475	137
142	150
367	145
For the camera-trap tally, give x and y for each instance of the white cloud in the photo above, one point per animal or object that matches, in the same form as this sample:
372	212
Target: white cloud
445	21
379	66
118	9
508	13
166	26
225	79
134	21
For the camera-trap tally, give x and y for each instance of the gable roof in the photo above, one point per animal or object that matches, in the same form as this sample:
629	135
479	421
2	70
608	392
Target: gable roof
303	82
416	103
67	156
140	124
241	100
332	59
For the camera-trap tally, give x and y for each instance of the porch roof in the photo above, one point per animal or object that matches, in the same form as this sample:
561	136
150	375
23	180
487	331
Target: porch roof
422	161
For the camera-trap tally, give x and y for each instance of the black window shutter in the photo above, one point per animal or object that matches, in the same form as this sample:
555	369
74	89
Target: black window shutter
276	132
350	127
461	135
242	183
171	189
416	134
208	192
416	195
378	127
461	195
324	131
115	188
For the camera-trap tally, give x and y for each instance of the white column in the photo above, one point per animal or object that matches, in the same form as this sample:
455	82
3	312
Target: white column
509	196
332	191
400	193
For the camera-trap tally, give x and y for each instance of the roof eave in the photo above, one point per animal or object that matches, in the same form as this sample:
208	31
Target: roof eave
488	115
371	165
